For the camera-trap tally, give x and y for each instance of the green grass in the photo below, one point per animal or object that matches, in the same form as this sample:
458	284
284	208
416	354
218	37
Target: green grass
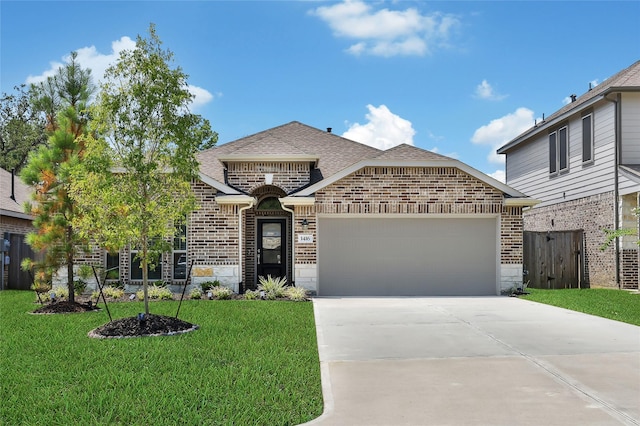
618	305
250	363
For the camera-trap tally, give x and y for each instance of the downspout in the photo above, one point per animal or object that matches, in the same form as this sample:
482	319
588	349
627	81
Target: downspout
293	247
240	253
616	154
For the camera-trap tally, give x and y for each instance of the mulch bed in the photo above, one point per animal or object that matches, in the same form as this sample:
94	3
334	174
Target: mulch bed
65	307
152	325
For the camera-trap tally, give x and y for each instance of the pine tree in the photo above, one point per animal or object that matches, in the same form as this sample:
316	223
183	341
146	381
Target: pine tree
65	98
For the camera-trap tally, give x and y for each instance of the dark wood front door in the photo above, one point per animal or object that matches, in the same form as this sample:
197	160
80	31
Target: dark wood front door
272	248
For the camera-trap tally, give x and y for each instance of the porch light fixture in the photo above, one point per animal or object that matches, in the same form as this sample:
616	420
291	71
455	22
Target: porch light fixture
304	223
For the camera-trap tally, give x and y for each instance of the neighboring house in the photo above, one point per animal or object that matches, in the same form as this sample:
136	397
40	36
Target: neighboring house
342	218
583	164
14	225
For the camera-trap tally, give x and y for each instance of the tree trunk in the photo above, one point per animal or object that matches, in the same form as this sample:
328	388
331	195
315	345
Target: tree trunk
70	286
144	262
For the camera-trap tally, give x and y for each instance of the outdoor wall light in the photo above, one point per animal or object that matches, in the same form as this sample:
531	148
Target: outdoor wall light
304	223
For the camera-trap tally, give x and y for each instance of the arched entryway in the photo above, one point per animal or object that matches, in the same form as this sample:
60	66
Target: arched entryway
267	237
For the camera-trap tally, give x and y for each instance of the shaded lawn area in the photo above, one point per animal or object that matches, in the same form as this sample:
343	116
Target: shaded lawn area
614	304
251	362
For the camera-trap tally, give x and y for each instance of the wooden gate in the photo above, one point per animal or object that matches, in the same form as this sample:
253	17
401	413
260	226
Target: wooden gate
19	250
554	259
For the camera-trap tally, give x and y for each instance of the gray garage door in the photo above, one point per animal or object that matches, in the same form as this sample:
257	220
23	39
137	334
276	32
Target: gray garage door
407	256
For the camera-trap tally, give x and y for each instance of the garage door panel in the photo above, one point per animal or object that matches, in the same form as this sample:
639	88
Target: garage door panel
407	257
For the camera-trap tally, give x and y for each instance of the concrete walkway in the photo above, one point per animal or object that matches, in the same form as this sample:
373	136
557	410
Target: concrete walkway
474	361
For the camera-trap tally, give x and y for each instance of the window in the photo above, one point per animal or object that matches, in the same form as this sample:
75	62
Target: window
180	253
112	265
552	153
135	271
559	150
587	138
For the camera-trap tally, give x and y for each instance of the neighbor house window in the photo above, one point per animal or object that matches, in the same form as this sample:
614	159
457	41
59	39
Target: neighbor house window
587	138
135	271
559	150
180	253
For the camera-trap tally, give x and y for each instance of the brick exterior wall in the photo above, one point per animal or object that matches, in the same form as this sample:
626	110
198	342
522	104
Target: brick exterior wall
591	214
250	176
420	190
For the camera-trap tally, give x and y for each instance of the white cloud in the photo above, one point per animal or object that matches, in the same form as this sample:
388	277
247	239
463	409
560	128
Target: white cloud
486	91
387	32
383	130
450	154
502	130
499	175
91	58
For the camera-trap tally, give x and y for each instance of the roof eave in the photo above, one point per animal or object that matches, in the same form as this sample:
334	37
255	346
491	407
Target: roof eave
17	215
217	185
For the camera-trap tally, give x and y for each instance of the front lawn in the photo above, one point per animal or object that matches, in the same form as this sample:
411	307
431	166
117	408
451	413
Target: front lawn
618	305
251	362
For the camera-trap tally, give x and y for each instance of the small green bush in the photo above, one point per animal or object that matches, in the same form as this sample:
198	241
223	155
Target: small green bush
59	292
297	294
222	293
79	286
208	285
251	294
273	287
155	292
113	292
195	293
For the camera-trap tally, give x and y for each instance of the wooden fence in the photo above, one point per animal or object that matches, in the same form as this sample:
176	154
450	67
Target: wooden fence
554	259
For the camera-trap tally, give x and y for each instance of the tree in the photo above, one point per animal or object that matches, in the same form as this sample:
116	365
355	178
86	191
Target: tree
22	128
49	168
135	185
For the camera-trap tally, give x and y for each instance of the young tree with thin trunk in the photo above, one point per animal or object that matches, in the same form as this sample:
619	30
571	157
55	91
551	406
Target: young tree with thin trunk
136	183
65	96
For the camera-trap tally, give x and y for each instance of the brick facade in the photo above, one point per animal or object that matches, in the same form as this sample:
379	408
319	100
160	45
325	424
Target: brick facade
590	214
286	175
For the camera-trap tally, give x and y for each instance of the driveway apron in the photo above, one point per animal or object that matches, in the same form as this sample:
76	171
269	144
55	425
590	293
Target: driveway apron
473	361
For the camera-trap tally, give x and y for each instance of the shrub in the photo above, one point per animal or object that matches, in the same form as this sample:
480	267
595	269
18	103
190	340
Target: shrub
79	286
297	294
59	292
221	293
208	285
155	292
195	293
273	287
251	294
113	292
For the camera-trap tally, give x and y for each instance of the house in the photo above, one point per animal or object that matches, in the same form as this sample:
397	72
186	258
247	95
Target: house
583	164
342	218
14	225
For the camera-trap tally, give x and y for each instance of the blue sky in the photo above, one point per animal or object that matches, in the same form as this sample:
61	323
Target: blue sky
457	77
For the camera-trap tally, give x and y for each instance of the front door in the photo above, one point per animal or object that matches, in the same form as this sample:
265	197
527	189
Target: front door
272	251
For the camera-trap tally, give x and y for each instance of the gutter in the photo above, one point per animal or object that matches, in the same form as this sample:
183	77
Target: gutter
616	154
240	253
293	242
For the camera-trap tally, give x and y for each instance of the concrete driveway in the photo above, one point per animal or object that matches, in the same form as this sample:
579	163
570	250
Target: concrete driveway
474	361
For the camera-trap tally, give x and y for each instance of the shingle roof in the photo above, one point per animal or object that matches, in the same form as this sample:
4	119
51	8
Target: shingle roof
626	80
22	193
333	152
409	152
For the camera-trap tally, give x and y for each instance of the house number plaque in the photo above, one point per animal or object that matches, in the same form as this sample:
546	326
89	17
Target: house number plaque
305	238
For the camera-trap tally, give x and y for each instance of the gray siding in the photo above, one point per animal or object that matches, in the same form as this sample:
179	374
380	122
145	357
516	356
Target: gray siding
631	128
528	166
